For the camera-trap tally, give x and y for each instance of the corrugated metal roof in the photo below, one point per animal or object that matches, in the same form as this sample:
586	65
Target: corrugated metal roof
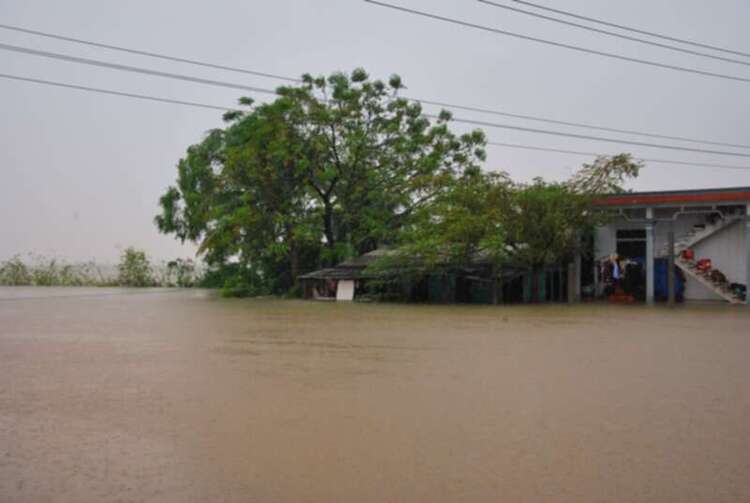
335	273
367	258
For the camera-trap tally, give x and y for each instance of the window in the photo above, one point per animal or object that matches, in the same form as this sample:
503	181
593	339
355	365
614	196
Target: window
631	243
631	235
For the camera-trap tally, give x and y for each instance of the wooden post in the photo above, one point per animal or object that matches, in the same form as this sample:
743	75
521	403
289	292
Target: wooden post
670	269
579	270
493	277
571	279
596	280
649	256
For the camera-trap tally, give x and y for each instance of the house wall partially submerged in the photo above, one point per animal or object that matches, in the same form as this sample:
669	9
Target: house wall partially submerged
725	252
685	213
345	290
725	249
474	287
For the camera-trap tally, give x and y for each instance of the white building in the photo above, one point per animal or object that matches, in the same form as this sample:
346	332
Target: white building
714	224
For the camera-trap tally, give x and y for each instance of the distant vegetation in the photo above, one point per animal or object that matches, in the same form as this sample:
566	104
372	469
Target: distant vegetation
134	270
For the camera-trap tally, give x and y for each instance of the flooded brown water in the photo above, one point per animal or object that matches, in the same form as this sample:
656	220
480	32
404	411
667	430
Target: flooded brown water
175	396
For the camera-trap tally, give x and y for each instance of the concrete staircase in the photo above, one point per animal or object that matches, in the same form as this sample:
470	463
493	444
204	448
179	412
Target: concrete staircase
700	233
689	240
720	289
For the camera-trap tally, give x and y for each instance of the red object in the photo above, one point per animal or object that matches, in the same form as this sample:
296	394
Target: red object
620	297
645	199
704	265
688	254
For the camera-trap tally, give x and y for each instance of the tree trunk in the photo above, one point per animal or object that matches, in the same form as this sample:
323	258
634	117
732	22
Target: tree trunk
293	256
328	224
293	263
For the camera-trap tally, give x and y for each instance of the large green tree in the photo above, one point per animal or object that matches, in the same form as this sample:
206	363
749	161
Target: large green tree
463	222
544	221
333	167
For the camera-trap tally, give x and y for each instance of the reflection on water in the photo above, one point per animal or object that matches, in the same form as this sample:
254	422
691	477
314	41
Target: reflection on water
178	396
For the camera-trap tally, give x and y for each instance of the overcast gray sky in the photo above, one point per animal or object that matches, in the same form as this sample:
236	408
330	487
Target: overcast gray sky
80	173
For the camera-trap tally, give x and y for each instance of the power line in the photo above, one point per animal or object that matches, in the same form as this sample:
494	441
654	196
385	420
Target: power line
147	53
216	107
635	30
134	69
114	93
427	102
615	34
594	138
467	121
594	154
578	124
560	44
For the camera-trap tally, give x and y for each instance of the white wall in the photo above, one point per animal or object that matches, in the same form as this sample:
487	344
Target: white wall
683	225
696	291
606	236
726	249
604	241
345	290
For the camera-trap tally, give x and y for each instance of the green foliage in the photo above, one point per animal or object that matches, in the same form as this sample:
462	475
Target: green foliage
605	176
463	223
14	272
40	271
217	276
332	168
52	273
486	218
181	272
134	269
243	284
543	222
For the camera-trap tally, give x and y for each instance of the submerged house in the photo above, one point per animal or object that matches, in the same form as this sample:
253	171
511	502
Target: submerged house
709	258
341	282
710	232
471	283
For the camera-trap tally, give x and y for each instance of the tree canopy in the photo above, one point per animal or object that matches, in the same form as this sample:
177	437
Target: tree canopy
333	167
487	218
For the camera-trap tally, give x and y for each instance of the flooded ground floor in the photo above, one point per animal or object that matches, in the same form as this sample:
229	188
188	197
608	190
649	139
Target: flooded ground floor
176	396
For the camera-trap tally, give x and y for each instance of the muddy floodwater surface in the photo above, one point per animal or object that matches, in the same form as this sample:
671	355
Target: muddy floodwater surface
178	396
